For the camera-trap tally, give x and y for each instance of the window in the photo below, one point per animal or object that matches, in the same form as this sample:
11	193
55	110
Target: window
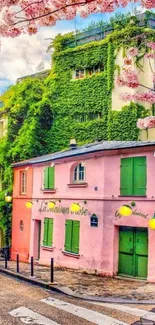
79	173
21	225
1	129
48	232
133	176
49	177
72	230
96	69
80	73
23	182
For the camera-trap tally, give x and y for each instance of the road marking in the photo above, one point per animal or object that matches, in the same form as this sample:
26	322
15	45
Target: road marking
27	316
124	309
87	314
129	310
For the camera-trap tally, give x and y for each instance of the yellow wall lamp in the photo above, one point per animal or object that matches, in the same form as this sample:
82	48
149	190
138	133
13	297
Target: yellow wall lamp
29	204
52	204
126	209
75	207
151	223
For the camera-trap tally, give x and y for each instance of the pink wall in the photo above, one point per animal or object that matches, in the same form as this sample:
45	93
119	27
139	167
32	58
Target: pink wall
98	246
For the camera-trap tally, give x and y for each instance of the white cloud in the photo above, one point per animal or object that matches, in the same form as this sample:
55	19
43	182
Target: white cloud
20	56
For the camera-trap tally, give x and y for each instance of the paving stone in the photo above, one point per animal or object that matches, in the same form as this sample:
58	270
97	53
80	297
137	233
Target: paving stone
88	284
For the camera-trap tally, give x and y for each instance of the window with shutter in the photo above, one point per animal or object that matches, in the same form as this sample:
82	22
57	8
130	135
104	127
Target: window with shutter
48	232
133	176
49	178
68	235
46	177
75	236
45	240
23	182
72	236
139	176
126	176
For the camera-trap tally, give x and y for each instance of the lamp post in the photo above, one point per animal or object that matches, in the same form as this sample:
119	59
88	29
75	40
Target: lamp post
8	199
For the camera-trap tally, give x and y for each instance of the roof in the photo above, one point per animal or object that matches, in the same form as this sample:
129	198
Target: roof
40	74
86	149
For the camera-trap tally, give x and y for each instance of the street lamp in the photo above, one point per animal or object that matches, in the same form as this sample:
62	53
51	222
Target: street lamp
8	199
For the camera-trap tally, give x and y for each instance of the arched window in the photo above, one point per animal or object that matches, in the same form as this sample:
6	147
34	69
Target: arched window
79	173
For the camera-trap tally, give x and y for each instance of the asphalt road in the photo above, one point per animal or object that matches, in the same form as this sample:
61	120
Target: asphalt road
22	303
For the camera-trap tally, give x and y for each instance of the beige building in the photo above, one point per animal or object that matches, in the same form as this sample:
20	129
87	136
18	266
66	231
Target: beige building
145	78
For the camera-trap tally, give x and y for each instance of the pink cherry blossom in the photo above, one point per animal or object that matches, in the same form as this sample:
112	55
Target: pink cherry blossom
148	97
128	78
150	55
18	15
151	45
127	61
146	123
133	51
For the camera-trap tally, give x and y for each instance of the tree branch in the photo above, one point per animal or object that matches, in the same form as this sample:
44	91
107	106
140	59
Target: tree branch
147	87
33	3
84	2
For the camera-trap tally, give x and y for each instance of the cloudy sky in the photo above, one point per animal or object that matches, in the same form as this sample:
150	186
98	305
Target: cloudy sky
20	56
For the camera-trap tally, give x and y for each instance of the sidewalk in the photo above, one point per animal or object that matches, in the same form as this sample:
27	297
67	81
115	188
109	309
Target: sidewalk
87	286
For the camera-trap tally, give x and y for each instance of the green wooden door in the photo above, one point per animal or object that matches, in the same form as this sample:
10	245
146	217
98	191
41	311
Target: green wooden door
126	249
141	252
133	251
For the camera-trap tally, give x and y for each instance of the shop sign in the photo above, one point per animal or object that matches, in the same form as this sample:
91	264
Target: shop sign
134	212
61	209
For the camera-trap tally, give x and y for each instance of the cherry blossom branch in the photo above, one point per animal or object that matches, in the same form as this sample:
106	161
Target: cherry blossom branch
85	2
152	89
30	4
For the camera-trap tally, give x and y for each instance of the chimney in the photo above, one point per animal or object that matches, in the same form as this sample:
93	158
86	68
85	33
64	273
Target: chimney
73	144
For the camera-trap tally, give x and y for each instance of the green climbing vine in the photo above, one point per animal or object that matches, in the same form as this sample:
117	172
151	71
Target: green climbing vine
44	114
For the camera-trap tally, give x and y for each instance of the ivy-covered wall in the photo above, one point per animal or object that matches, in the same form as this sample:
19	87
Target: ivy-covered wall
44	115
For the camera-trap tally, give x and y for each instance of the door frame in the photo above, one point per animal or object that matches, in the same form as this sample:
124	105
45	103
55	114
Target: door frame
135	256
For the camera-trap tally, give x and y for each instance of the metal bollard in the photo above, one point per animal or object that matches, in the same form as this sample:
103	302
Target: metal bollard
52	269
6	261
17	260
32	266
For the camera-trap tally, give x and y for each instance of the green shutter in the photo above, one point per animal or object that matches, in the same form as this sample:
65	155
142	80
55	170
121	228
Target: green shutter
50	232
75	236
51	177
126	176
68	235
45	240
46	177
139	176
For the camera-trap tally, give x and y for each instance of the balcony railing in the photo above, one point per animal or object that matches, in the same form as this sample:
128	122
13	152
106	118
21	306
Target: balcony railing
99	33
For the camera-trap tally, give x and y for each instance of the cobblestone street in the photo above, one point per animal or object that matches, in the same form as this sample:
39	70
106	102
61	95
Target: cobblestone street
86	284
24	303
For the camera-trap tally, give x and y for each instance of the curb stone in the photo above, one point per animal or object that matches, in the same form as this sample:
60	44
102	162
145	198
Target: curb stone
68	292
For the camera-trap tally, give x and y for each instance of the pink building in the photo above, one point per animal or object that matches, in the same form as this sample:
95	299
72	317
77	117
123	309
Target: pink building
101	177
